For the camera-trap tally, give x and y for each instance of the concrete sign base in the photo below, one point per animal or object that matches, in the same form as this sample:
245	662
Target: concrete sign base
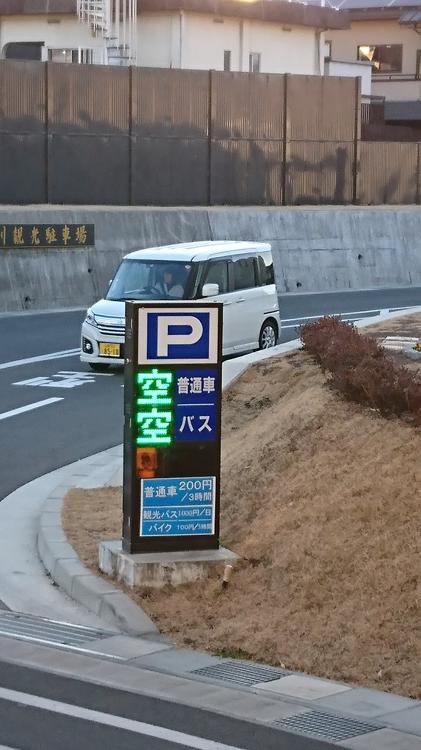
161	568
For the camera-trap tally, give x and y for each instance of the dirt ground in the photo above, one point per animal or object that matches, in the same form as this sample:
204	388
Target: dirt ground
321	500
407	325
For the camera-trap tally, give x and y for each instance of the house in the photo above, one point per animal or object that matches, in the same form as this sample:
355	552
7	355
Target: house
268	36
387	35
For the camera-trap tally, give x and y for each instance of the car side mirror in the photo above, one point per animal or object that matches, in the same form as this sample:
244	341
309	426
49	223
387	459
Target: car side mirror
210	290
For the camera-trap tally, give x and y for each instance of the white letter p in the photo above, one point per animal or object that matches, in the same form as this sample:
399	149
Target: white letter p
167	339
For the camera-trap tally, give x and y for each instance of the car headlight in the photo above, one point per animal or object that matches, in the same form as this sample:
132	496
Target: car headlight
90	318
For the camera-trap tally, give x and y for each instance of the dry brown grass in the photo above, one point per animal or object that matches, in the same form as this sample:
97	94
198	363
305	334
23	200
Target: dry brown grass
321	499
407	325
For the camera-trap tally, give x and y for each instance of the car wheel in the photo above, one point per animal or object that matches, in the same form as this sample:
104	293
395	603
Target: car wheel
96	367
268	335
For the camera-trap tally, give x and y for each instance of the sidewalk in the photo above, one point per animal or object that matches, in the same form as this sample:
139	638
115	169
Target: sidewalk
146	663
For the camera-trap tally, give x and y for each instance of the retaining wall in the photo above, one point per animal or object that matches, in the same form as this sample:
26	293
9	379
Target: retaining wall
315	249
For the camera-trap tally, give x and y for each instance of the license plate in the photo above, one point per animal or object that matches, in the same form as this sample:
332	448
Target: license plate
109	350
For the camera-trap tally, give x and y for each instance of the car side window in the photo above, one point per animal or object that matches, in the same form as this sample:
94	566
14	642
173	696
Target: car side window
217	273
266	271
244	274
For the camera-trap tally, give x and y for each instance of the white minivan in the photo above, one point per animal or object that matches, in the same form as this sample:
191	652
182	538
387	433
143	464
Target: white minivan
238	274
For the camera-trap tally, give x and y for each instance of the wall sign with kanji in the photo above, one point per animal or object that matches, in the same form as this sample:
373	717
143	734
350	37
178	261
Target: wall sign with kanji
46	236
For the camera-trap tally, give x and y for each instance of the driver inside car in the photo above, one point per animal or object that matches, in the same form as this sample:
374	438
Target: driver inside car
170	285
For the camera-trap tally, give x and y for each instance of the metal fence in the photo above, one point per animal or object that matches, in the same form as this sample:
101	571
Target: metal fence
73	134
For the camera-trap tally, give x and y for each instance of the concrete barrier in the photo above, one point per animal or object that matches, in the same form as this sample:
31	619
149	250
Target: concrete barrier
316	249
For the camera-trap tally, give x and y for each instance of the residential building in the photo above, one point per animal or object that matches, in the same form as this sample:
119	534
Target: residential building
268	36
387	35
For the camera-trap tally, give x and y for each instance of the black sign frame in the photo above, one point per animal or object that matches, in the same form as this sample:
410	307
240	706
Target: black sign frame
180	455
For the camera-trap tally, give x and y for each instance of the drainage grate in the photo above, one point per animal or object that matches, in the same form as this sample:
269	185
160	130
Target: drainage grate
40	630
240	672
325	726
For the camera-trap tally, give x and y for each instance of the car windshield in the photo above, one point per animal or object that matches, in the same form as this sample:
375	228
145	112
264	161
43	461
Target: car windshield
150	280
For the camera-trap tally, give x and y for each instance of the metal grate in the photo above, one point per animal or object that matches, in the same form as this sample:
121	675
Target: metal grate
240	672
325	726
41	630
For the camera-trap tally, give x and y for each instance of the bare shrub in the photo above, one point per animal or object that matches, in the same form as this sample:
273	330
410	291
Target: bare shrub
361	369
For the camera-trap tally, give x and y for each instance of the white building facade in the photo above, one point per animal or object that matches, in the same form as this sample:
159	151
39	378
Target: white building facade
268	36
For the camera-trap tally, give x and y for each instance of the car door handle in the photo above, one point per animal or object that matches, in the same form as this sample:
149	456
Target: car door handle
227	303
237	301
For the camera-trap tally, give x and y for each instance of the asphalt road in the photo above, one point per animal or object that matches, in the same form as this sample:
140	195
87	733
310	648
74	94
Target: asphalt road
64	722
79	415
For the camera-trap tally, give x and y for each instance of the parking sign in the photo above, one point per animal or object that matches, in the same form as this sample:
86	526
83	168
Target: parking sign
172	445
178	336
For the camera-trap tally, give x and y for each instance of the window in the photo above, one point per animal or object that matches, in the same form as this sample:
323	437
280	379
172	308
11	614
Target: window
63	55
265	263
23	51
254	62
244	273
227	59
70	55
385	58
150	280
217	273
328	50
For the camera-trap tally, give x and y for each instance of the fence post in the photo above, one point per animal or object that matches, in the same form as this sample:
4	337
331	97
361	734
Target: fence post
357	140
418	176
132	109
210	113
47	131
285	139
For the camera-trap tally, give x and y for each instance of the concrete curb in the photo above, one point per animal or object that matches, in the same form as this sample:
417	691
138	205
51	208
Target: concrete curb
63	565
60	559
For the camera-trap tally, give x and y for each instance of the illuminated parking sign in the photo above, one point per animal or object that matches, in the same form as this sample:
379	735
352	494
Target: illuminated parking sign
172	440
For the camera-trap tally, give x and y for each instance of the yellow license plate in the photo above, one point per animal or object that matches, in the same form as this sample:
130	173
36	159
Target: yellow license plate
109	350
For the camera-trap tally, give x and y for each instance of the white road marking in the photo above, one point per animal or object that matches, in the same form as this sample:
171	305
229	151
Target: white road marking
119	722
63	379
28	407
40	358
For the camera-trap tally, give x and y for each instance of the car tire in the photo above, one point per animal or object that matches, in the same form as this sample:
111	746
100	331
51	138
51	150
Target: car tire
96	367
268	335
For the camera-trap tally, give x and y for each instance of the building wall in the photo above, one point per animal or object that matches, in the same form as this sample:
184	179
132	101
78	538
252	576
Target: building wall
191	40
283	49
346	42
205	40
158	40
56	32
351	70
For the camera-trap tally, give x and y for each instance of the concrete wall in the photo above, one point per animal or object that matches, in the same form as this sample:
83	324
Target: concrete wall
315	249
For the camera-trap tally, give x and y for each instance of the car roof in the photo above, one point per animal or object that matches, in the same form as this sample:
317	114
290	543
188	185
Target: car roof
190	251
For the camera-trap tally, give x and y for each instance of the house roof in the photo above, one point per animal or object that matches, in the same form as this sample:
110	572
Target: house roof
264	10
295	13
35	7
369	10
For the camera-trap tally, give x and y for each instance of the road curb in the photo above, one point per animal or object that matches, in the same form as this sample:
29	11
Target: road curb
66	570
